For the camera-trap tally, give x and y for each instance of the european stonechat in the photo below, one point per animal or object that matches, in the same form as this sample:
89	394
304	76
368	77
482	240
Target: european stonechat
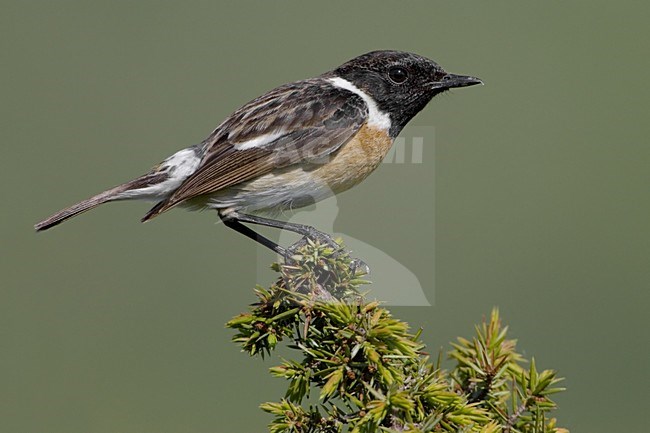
297	144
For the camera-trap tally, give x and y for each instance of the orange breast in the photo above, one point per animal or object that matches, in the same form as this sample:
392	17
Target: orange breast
355	160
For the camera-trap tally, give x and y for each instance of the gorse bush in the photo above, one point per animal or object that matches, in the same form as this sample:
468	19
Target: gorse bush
370	372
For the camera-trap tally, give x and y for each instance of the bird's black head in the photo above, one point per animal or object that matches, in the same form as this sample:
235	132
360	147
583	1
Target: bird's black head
401	83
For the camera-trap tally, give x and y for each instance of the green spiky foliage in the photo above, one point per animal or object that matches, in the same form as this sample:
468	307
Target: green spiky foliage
370	372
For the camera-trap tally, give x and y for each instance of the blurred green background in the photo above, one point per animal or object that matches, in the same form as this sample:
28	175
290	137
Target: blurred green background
540	202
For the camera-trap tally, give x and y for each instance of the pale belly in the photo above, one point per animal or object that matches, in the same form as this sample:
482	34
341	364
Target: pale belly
295	187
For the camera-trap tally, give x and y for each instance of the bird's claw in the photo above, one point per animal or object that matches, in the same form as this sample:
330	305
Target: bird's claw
357	266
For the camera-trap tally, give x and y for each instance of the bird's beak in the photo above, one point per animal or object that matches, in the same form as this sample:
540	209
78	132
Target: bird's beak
450	81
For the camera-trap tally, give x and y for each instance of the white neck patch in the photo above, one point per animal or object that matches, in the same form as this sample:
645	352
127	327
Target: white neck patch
376	117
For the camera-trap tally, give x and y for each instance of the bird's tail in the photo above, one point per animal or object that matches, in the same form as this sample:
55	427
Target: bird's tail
78	208
103	197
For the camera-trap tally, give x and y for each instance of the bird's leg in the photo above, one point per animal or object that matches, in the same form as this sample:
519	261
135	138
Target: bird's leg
234	224
302	229
234	221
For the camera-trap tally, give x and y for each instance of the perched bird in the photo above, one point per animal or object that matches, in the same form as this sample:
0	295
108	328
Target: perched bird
295	145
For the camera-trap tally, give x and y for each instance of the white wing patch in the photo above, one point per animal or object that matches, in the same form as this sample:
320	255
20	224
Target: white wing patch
376	117
259	141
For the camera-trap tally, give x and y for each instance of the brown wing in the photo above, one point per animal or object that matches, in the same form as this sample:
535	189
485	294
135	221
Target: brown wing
294	123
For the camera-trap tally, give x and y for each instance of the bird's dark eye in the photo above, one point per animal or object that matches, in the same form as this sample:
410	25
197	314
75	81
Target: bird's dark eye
398	74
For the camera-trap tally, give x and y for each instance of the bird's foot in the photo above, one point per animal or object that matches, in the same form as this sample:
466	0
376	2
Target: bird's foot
316	237
357	266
